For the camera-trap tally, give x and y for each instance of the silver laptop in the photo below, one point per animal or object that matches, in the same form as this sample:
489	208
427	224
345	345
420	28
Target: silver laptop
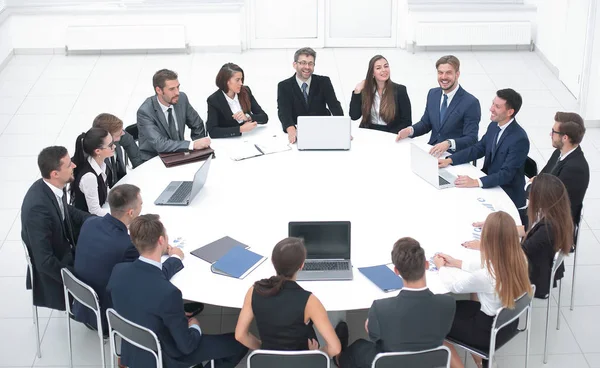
426	166
327	250
181	193
323	133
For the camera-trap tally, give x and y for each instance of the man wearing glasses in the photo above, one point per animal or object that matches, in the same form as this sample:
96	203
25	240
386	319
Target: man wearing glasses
305	94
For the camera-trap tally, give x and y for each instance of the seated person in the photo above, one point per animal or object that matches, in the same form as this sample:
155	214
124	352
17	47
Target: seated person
104	242
49	227
415	319
162	119
284	312
451	114
502	279
232	109
89	190
117	167
383	104
141	293
305	94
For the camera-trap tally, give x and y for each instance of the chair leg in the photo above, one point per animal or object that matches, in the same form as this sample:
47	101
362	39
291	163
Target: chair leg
573	281
528	327
558	304
547	323
36	323
101	347
69	342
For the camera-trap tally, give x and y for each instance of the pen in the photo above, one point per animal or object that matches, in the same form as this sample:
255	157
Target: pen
259	150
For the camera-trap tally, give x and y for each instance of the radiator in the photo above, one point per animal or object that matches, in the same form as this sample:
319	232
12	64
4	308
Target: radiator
125	37
472	33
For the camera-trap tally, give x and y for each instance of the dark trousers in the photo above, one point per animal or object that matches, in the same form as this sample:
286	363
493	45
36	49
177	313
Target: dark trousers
226	351
359	354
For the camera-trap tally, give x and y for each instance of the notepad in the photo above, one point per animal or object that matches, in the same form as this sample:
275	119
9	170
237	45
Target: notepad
383	277
238	263
213	251
265	147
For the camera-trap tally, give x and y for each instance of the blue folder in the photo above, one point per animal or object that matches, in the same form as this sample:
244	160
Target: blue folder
383	277
237	262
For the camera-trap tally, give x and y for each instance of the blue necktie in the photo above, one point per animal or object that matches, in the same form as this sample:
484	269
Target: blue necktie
495	142
304	87
443	108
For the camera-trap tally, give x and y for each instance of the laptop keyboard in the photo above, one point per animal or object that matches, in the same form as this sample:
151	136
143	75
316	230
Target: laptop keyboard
326	266
181	193
443	181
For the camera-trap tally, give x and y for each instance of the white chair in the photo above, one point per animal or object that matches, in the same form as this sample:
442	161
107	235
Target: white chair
575	247
288	359
36	321
85	295
559	258
432	358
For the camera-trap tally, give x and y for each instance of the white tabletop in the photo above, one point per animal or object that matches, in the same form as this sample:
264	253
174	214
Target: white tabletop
371	185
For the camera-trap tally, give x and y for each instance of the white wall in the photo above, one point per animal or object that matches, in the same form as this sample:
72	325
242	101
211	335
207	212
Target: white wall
591	92
5	38
551	25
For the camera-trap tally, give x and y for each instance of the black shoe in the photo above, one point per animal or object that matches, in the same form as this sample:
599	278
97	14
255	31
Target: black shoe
341	330
193	308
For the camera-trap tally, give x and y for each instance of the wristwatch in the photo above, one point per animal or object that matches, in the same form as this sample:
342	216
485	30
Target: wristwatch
449	143
248	117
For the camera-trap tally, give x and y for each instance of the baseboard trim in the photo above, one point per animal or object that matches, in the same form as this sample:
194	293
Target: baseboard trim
542	56
6	60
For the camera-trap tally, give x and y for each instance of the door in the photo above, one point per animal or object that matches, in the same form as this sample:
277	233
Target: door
570	70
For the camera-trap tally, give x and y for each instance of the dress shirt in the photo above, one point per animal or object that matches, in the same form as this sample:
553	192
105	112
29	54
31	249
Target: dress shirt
562	157
375	116
413	289
58	193
234	105
166	113
502	129
299	81
89	187
479	281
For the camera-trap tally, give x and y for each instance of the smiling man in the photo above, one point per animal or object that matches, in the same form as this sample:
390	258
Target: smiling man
162	119
305	94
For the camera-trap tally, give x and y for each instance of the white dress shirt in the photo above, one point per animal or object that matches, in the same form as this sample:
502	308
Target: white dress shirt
89	187
234	105
58	193
562	157
300	82
165	110
375	116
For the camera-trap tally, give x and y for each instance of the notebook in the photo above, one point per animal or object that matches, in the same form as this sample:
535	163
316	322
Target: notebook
383	277
264	147
238	263
213	251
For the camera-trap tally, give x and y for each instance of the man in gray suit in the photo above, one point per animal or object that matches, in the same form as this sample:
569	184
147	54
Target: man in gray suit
162	119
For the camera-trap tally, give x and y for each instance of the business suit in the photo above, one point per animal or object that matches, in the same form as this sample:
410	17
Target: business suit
142	294
574	172
321	100
221	124
505	165
155	136
411	321
461	120
103	243
403	116
538	245
117	164
50	242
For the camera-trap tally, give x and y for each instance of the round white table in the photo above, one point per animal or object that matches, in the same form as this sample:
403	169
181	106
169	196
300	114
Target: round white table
371	185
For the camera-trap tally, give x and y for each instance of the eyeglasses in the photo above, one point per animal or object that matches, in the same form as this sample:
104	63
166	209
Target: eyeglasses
555	132
111	145
304	63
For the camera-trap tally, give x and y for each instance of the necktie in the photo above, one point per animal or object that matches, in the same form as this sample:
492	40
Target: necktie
111	171
172	128
304	92
443	108
67	219
495	141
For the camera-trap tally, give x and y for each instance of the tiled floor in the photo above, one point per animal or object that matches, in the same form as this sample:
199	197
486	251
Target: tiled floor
50	99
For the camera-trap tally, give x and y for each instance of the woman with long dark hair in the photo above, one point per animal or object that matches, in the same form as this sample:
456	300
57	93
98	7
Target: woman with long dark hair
232	109
383	104
284	312
89	190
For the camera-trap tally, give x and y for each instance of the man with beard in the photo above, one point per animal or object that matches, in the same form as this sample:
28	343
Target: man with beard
452	114
49	227
305	94
162	119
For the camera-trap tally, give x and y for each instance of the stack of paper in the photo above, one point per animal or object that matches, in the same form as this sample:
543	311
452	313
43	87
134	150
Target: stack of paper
264	147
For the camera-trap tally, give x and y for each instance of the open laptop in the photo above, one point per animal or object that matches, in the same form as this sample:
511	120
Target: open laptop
323	133
181	193
327	250
426	166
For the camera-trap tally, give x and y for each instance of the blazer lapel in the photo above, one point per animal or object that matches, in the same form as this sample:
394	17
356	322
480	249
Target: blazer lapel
180	119
314	85
436	107
48	192
298	92
161	116
506	133
455	101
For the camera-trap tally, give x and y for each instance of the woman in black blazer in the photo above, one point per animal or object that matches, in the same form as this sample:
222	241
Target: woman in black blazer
232	109
383	104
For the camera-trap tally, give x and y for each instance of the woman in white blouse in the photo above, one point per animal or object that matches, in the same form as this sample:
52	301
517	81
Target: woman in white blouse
89	190
500	278
232	109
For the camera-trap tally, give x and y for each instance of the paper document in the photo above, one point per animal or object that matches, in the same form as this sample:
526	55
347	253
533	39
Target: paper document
259	148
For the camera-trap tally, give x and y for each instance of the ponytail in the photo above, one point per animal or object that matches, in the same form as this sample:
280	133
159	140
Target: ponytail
271	286
85	145
78	159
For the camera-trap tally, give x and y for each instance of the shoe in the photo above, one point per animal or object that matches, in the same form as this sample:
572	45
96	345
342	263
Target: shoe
341	330
193	308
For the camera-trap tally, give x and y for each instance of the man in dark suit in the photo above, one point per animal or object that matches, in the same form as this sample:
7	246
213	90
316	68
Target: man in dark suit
452	114
142	294
104	242
162	119
116	165
505	146
305	94
50	227
415	319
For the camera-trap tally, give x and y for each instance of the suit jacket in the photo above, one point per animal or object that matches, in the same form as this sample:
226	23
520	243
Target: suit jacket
403	116
504	167
117	164
154	129
411	321
574	172
461	121
538	245
321	100
47	236
220	123
103	243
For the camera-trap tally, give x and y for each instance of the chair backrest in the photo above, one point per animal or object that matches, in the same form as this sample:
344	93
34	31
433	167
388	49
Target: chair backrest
136	335
80	291
29	263
432	358
287	359
530	169
577	227
559	258
133	130
506	316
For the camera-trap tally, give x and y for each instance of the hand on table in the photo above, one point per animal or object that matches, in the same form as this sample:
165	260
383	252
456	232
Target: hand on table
472	244
479	224
404	133
439	149
450	261
174	251
443	162
201	143
439	261
464	181
239	116
291	131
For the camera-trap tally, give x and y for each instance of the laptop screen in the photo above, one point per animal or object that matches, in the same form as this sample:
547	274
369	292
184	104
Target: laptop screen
323	240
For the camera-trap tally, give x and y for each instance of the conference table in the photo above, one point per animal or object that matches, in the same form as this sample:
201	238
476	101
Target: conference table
371	185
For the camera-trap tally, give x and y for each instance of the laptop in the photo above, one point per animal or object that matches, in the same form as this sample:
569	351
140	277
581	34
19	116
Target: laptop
426	166
323	133
327	250
181	193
